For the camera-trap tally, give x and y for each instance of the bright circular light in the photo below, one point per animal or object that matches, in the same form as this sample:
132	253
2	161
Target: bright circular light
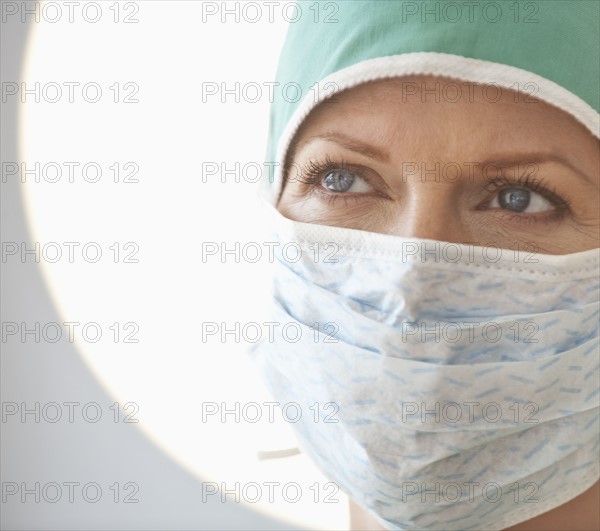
162	221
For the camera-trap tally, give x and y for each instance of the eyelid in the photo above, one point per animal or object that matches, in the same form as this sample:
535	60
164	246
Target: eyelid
315	170
533	184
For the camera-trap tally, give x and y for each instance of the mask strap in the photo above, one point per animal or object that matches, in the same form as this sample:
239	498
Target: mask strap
277	454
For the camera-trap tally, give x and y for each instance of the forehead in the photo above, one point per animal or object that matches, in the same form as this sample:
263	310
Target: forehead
450	117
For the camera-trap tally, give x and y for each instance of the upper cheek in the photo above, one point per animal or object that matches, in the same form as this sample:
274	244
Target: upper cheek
493	229
587	214
580	231
503	229
371	214
482	224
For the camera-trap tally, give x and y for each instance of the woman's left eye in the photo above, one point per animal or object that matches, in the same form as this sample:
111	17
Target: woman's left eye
341	181
521	200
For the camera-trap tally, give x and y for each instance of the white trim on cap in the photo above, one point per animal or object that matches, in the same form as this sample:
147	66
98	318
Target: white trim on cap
437	64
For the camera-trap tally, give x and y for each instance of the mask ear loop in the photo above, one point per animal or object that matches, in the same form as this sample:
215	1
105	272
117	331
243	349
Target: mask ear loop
277	454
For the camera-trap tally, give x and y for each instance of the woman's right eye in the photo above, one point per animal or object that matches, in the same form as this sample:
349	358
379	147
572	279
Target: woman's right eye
342	181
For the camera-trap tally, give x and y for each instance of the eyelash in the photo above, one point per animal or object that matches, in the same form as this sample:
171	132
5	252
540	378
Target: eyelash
536	185
314	171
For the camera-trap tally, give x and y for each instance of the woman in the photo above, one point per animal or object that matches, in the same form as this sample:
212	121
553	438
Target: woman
440	178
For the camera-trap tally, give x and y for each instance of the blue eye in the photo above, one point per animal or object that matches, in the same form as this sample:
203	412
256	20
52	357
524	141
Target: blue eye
515	199
521	200
341	181
338	181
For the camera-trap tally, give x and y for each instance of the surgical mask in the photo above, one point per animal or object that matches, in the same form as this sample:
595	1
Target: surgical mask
443	386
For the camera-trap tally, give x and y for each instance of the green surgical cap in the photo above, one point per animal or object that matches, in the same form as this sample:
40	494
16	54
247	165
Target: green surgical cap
548	48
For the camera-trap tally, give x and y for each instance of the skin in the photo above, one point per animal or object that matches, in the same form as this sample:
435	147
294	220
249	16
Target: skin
390	136
464	136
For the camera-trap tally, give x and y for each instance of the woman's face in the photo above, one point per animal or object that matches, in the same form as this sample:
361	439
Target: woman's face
387	157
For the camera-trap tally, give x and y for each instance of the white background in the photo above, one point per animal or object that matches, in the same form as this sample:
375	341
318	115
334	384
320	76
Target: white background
175	207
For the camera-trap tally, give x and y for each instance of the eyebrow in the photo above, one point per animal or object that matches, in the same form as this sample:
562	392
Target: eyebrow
534	158
502	161
349	143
